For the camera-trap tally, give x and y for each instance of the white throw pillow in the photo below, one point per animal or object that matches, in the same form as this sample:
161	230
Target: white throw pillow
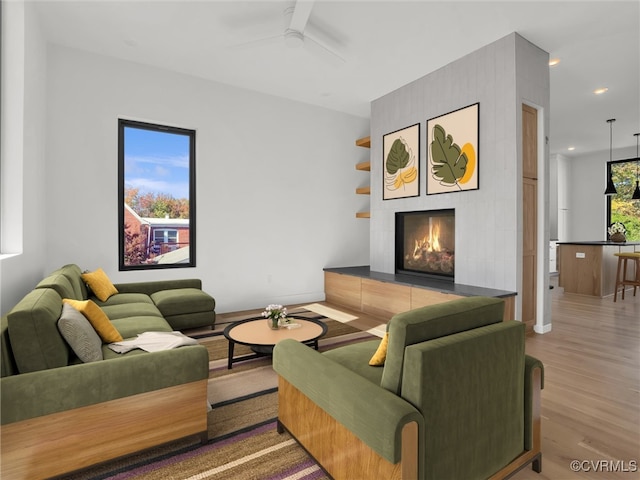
79	334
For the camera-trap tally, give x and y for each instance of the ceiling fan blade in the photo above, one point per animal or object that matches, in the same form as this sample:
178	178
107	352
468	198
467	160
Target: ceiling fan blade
323	52
301	12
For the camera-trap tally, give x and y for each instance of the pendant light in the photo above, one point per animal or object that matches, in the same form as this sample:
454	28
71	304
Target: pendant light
611	188
636	192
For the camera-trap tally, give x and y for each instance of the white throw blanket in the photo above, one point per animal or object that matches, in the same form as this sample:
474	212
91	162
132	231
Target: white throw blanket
153	342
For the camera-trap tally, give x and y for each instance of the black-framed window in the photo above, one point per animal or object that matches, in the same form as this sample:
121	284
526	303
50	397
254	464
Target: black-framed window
156	196
621	207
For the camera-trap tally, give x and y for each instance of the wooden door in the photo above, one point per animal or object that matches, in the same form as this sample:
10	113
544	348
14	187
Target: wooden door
529	214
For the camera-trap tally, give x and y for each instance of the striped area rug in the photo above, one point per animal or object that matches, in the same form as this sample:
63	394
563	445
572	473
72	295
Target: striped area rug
251	451
243	442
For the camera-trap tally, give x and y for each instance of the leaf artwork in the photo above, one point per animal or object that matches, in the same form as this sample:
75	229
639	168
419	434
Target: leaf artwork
398	156
400	165
449	162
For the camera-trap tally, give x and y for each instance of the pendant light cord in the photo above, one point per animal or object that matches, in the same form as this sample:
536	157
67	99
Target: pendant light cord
637	135
610	121
636	192
611	188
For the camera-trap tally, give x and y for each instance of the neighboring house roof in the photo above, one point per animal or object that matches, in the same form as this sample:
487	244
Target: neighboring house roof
181	255
166	222
158	222
133	212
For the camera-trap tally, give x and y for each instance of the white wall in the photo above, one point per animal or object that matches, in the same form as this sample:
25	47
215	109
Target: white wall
24	238
587	181
564	187
553	195
275	179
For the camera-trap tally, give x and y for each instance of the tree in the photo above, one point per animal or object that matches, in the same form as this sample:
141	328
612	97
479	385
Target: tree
134	248
156	205
623	208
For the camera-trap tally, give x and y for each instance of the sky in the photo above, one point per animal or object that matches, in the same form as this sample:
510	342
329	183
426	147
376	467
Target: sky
156	162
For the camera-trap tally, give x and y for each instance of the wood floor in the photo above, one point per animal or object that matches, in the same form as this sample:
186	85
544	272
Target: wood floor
591	396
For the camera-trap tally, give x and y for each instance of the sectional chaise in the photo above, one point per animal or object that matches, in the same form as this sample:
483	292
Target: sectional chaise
61	413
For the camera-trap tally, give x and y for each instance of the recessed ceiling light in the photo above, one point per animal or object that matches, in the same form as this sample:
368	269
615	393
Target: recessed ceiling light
571	149
600	91
553	62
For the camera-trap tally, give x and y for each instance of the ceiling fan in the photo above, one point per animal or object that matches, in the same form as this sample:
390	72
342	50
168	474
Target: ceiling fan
295	34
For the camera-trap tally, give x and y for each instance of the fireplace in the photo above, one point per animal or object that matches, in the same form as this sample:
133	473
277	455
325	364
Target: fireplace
425	243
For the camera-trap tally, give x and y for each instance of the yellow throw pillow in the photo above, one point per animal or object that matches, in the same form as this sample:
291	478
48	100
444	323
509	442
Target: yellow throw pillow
99	284
97	318
381	354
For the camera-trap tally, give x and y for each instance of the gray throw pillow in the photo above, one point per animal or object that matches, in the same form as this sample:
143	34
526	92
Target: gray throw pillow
79	334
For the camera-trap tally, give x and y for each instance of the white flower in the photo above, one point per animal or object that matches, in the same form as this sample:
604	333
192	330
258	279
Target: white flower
274	311
617	227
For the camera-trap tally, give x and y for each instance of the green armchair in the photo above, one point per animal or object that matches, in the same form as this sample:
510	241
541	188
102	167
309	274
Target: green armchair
457	398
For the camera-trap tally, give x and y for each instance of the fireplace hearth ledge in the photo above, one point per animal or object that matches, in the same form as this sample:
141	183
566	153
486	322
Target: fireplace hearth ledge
442	286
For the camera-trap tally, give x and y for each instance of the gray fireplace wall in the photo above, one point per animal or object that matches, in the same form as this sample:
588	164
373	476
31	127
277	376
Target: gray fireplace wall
501	77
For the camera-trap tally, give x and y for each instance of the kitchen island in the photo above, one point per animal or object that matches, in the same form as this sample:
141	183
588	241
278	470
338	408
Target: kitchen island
589	268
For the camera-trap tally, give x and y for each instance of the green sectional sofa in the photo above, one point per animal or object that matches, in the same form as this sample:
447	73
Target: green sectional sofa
456	397
59	414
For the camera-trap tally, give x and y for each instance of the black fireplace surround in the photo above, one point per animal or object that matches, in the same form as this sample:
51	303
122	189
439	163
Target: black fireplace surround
425	243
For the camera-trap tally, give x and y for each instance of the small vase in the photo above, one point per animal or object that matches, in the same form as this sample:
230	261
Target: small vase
274	323
618	237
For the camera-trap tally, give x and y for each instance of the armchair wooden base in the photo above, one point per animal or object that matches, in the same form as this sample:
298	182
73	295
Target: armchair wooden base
342	454
526	458
59	443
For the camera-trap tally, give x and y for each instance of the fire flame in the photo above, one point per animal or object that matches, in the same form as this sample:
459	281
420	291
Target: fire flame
430	243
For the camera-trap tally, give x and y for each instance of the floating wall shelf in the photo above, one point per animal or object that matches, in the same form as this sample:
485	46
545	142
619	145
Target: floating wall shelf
364	142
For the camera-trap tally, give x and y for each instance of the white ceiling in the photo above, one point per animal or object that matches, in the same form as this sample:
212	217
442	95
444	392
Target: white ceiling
385	45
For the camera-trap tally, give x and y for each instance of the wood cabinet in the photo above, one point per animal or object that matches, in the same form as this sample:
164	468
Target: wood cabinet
384	295
343	290
382	299
529	215
364	142
589	268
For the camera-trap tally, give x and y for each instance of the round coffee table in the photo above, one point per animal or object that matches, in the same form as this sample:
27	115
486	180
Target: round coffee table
256	334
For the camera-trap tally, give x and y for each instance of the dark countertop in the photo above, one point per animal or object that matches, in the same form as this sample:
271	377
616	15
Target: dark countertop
422	282
613	244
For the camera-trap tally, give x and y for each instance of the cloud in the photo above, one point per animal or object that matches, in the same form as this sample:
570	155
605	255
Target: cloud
162	171
158	174
178	161
175	189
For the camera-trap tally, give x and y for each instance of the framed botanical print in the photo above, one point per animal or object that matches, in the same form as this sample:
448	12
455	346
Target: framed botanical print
453	158
401	163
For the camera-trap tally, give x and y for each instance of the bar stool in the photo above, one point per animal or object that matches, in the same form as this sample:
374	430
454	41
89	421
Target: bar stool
623	257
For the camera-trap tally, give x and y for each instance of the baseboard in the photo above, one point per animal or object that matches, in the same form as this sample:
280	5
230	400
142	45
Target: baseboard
542	329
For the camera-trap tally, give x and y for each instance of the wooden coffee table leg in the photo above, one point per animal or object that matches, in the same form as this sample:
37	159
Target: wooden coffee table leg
230	361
